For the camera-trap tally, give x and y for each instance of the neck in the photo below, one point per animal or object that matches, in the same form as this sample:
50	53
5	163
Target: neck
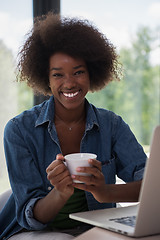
70	115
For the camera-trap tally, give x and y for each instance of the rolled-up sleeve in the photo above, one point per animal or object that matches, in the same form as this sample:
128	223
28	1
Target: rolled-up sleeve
32	222
26	181
139	174
130	156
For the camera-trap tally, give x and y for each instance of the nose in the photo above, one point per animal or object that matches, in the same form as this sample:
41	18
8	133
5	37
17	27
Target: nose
69	82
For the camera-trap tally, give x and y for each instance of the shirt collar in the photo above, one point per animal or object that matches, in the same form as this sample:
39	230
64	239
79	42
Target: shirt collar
92	119
48	109
46	112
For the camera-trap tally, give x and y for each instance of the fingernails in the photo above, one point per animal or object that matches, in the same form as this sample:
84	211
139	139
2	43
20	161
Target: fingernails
80	169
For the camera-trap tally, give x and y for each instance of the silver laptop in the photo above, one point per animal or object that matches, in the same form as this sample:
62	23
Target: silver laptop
138	220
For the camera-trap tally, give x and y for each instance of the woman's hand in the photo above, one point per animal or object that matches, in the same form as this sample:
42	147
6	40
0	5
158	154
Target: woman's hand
94	183
102	192
59	177
45	209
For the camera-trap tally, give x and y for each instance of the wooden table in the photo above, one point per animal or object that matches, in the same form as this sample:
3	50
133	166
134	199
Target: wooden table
97	233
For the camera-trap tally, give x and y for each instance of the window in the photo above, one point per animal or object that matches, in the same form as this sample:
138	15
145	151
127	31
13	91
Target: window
15	21
133	27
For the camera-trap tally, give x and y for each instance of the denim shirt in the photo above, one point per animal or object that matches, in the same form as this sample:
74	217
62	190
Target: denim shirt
31	144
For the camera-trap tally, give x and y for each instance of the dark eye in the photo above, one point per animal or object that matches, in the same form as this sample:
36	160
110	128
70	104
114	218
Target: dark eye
58	75
79	72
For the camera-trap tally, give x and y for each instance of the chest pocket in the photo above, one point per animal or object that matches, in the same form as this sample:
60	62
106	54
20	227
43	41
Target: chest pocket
109	170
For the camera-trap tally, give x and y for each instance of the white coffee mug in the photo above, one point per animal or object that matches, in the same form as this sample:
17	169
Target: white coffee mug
75	160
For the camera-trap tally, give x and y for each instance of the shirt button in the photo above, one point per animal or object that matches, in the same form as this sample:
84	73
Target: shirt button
49	188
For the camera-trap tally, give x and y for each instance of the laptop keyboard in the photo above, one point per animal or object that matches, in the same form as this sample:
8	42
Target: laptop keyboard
130	220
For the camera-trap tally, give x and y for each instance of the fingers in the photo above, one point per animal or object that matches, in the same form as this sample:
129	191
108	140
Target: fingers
89	180
95	163
56	168
57	174
85	187
57	171
59	160
61	180
60	157
95	175
90	170
95	170
60	177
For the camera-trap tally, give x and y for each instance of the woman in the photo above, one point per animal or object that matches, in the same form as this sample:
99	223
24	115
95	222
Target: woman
66	58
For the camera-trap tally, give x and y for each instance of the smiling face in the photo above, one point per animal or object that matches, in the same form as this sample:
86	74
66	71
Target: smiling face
69	80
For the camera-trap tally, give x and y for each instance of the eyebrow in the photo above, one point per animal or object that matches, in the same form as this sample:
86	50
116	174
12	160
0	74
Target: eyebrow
58	69
79	66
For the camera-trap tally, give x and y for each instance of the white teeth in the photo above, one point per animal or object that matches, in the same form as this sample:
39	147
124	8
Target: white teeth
70	95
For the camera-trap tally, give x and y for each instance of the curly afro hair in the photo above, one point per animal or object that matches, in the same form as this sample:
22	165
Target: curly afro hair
75	37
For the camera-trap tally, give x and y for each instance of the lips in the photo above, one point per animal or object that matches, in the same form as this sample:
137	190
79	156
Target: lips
70	94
